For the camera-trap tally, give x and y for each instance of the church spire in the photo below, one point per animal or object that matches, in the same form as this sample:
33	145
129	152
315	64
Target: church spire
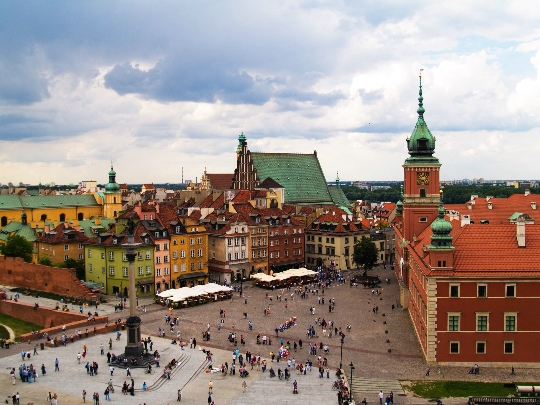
441	228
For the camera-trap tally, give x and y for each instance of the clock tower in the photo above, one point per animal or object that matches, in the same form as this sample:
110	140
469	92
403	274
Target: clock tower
421	178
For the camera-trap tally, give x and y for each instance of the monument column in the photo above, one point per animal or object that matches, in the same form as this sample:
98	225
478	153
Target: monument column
134	346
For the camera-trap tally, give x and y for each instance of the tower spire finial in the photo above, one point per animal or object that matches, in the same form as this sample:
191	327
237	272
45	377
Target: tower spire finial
421	109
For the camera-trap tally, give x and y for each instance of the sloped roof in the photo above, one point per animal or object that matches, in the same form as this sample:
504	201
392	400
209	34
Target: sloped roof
17	228
300	174
88	226
269	183
220	181
501	208
339	198
13	201
63	233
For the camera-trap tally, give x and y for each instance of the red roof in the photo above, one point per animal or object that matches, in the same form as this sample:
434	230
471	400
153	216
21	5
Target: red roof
501	208
221	181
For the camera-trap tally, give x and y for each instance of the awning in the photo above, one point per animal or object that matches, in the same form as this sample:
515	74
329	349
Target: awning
197	274
145	282
287	263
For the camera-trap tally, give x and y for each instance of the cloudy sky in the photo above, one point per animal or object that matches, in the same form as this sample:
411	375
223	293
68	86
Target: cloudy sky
160	85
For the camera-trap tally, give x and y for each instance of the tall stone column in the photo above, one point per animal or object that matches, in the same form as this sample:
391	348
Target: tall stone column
134	347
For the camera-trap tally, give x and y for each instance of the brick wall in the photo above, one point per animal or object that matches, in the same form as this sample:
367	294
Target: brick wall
49	319
15	272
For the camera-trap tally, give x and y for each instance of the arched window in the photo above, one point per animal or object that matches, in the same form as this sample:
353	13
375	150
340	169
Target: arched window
62	217
43	217
114	199
80	216
4	221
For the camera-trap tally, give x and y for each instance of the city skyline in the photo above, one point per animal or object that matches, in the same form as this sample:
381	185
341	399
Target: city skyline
160	86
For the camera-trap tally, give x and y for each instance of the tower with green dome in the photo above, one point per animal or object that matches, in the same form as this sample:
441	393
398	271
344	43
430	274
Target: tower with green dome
112	198
441	250
421	177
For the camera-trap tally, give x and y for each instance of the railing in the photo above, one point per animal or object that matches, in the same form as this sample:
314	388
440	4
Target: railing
503	400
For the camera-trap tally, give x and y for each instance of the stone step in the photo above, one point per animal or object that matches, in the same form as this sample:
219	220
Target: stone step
374	385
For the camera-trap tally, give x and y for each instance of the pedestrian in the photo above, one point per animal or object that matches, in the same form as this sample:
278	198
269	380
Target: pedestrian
101	349
427	372
128	371
56	365
107	394
111	369
83	395
244	386
210	386
512	373
209	399
381	396
179	397
79	358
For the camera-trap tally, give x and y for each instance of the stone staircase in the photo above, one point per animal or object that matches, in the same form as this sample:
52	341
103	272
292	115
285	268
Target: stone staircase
265	390
370	387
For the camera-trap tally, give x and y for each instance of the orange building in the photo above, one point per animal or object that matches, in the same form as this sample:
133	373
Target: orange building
470	275
62	243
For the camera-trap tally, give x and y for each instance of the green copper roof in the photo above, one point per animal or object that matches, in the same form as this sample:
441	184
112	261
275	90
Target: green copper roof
339	198
421	144
241	139
300	174
88	226
46	201
441	228
112	186
17	228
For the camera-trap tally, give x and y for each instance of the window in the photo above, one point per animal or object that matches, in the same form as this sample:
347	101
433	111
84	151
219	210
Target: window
125	271
286	253
158	272
140	270
178	230
453	322
199	253
111	255
80	245
192	253
229	256
271	255
243	255
175	268
346	240
454	290
480	347
66	257
192	266
423	193
66	247
124	257
510	290
508	347
103	270
243	240
441	263
166	271
81	256
422	219
139	255
277	255
182	254
482	290
111	270
89	253
229	242
158	259
235	255
183	267
175	242
481	322
199	265
175	255
192	241
90	268
199	241
454	347
148	270
182	241
510	320
165	246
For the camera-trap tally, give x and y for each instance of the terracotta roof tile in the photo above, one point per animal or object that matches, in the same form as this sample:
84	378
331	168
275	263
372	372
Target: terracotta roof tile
220	181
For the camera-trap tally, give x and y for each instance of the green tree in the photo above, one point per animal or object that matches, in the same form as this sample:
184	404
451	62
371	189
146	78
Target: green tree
45	260
365	254
17	246
78	265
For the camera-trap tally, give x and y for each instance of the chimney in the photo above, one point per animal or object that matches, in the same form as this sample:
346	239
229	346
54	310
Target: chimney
465	220
47	228
533	205
24	219
97	221
157	208
490	205
469	205
527	192
520	231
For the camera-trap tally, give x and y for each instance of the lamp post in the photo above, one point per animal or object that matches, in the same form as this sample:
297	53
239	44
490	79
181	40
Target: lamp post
341	352
241	284
350	385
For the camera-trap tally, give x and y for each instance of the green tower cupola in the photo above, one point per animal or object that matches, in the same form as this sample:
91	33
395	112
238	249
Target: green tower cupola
241	140
441	228
421	143
399	204
112	186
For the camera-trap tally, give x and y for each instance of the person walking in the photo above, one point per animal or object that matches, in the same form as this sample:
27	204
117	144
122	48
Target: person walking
101	349
244	386
210	386
84	395
179	396
107	394
56	365
79	358
381	396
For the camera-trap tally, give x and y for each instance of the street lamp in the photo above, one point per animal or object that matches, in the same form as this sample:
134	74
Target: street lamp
341	352
350	384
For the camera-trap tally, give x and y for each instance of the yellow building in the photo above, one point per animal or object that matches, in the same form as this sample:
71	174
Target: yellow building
112	199
190	254
62	243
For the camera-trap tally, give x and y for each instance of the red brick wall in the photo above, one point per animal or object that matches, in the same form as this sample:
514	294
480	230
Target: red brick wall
49	319
15	272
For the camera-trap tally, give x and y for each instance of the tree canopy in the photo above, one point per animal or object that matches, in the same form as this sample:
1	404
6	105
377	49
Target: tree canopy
17	246
365	254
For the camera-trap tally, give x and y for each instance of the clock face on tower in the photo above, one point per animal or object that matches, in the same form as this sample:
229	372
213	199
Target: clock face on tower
422	178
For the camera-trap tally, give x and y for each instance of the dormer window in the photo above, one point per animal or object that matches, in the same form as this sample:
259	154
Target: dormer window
114	241
422	144
177	229
157	234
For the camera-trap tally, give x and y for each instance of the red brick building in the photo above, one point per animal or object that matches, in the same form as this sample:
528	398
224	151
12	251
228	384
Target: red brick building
471	286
